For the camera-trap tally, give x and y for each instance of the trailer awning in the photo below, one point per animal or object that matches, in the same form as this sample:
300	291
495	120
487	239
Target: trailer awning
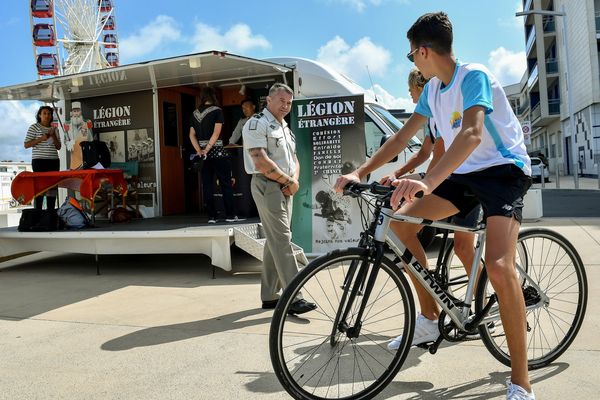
215	68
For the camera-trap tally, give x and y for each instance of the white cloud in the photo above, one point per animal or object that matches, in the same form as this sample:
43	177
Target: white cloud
387	100
15	118
507	66
238	38
353	61
361	5
161	31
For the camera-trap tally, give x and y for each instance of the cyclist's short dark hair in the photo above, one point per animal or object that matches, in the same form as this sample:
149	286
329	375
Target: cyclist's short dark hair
433	30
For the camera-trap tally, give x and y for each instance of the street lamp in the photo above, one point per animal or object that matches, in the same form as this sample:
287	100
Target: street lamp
563	14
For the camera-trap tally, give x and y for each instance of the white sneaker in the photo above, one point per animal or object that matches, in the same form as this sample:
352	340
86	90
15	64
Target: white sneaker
516	392
426	330
212	221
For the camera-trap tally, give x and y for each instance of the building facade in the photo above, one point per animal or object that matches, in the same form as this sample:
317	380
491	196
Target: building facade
543	100
8	170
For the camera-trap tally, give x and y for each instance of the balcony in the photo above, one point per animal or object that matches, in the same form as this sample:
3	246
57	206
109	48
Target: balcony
521	110
533	75
549	25
553	106
551	66
530	41
536	112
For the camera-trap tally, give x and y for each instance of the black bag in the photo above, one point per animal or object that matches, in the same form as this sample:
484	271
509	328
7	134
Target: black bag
34	220
95	152
218	153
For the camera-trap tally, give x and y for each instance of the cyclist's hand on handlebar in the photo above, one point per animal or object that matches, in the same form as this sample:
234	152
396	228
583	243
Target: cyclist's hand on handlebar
387	180
344	180
407	189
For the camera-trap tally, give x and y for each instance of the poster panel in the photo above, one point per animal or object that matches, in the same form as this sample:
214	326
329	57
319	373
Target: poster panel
330	141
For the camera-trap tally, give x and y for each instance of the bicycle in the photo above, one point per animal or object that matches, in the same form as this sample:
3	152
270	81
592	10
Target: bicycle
364	300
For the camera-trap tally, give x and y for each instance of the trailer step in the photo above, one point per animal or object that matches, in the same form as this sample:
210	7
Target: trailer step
251	239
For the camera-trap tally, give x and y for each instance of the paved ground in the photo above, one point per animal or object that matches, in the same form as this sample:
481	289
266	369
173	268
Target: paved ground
157	327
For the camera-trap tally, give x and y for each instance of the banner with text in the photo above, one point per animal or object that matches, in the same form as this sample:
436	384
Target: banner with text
330	141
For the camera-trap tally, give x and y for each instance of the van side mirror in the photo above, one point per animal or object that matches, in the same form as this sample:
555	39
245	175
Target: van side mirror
385	139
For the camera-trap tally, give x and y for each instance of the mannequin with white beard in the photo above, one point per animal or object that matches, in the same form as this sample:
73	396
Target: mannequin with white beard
80	130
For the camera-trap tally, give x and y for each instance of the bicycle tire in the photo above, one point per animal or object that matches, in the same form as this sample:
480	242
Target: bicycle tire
310	374
556	267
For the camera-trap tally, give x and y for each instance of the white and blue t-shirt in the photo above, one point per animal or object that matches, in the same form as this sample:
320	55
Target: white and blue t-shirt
473	85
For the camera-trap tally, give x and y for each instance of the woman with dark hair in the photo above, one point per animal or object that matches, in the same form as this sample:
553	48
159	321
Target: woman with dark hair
44	141
205	134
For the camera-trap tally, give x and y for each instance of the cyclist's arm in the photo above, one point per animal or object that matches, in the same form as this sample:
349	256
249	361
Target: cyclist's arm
389	150
417	159
438	152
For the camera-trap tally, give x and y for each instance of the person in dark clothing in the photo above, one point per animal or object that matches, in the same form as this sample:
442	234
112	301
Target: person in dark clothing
42	137
205	134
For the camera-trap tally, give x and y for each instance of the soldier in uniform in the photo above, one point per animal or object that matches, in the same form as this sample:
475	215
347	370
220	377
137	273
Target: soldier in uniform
270	156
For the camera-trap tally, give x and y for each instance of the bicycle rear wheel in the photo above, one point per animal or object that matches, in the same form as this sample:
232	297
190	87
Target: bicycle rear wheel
308	362
551	263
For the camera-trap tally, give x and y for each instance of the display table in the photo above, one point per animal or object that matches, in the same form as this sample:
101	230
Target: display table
28	185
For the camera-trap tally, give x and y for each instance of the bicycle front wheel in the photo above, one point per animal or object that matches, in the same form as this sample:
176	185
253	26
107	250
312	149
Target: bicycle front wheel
314	356
553	264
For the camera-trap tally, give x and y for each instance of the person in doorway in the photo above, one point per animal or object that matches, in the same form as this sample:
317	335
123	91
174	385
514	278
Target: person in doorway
205	134
485	158
270	156
42	137
463	241
248	108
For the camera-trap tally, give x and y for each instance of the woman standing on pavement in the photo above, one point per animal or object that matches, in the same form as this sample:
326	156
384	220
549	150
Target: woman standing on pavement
44	141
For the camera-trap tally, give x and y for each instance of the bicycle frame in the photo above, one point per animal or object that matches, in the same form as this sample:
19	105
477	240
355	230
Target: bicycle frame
459	315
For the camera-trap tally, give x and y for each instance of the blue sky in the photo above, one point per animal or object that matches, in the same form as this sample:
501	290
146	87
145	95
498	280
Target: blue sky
346	34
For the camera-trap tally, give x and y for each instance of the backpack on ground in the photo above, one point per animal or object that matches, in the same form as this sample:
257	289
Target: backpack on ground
72	215
35	220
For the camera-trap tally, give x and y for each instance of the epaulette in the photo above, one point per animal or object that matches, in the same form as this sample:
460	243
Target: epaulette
258	116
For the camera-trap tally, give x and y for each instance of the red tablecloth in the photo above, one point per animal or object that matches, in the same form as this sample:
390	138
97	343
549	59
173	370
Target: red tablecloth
27	185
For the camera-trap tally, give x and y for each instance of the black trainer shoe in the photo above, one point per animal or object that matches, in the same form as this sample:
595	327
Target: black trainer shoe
301	307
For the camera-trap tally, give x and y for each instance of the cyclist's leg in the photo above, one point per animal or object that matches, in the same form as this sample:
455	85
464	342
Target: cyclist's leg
430	207
500	248
464	242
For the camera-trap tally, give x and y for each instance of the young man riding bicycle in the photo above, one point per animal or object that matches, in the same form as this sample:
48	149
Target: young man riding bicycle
485	161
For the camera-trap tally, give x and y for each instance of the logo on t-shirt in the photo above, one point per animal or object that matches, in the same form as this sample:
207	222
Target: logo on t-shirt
455	120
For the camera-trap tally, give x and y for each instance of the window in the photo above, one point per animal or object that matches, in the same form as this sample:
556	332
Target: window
373	136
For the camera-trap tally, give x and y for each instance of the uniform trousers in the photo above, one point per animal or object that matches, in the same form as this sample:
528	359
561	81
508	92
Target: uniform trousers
275	212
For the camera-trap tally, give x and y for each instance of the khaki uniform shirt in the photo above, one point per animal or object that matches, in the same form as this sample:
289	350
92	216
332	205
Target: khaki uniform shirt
264	131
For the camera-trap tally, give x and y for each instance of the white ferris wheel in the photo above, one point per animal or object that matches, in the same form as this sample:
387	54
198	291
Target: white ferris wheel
72	36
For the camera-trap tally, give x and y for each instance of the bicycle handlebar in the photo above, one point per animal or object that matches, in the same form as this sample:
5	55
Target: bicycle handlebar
354	189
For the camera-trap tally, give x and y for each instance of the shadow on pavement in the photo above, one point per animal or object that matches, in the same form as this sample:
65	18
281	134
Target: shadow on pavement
158	335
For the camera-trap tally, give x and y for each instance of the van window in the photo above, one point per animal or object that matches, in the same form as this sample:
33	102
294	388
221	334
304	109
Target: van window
393	123
373	136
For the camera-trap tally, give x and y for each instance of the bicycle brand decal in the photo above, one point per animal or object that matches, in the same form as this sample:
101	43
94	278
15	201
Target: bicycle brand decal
433	285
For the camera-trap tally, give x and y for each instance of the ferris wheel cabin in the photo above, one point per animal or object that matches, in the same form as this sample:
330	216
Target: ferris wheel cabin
47	64
109	23
43	35
105	5
112	58
110	41
42	8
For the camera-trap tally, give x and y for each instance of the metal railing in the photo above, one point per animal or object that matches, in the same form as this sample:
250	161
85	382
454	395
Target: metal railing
551	66
536	112
532	76
548	24
553	106
530	40
523	107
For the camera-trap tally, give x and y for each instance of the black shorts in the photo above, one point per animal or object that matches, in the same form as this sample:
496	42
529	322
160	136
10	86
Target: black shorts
472	218
499	189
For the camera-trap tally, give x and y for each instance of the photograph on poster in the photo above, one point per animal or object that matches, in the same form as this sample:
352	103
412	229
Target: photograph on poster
115	141
140	146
